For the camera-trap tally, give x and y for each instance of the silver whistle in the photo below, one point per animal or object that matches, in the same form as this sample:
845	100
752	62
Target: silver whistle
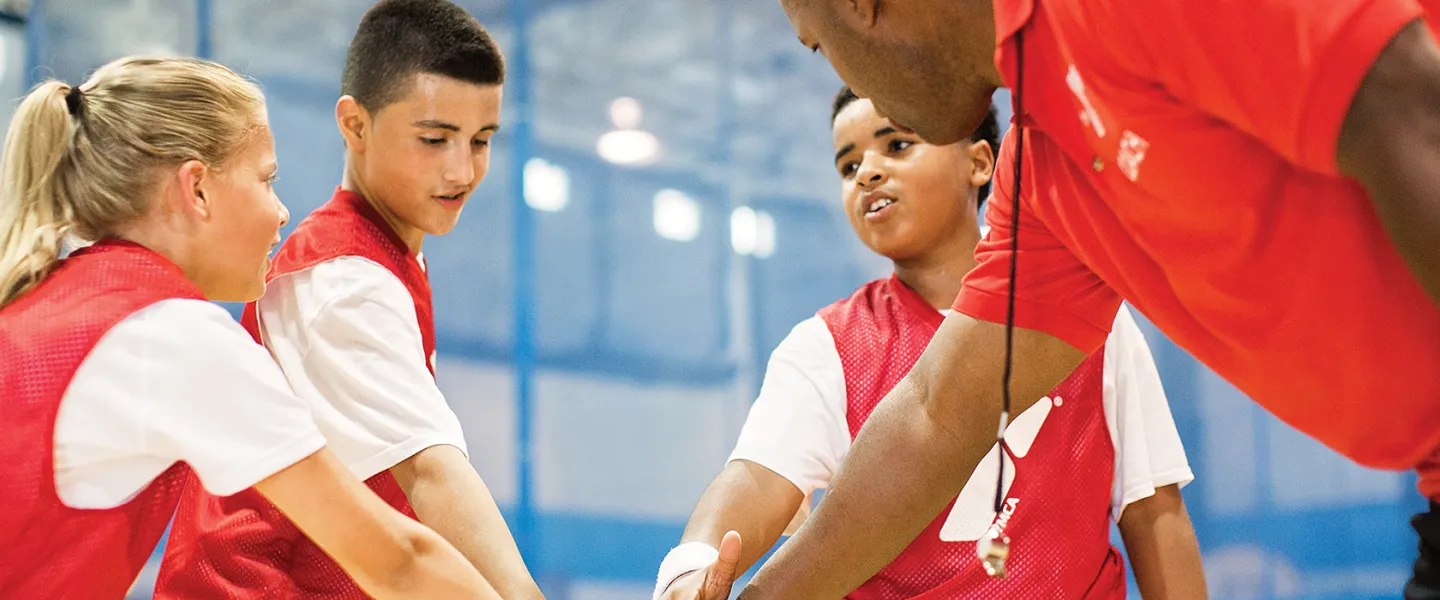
993	549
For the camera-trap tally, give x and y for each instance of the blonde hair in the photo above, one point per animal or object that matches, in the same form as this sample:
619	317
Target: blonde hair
87	162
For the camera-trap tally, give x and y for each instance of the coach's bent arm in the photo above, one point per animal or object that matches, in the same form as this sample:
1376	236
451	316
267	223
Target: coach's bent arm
1390	143
913	457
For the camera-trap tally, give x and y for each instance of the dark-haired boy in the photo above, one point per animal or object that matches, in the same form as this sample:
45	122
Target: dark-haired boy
1100	447
347	315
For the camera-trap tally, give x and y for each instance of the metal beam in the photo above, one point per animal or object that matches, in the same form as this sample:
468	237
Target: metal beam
204	29
34	42
519	86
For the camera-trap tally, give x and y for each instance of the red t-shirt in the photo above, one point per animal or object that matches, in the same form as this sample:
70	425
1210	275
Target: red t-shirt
1182	155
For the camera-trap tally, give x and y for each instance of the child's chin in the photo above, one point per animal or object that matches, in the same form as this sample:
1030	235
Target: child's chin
442	227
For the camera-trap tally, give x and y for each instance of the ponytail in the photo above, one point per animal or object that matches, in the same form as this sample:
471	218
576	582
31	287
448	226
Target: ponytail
88	163
35	209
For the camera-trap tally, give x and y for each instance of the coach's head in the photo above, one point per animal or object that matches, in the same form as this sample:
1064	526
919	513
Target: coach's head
928	65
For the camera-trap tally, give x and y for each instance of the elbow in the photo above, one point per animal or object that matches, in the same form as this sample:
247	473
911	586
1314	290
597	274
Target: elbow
425	467
926	397
412	557
417	561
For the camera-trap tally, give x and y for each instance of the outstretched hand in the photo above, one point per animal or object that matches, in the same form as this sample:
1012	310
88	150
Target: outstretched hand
712	582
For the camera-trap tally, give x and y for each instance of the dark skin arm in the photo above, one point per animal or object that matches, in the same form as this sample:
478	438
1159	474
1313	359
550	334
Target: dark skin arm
942	418
1390	143
1161	545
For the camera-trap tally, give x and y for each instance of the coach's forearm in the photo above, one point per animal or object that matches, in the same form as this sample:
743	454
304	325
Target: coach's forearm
912	457
902	471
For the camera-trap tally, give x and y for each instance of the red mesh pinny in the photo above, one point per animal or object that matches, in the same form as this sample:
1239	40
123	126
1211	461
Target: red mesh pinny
48	550
1058	506
241	547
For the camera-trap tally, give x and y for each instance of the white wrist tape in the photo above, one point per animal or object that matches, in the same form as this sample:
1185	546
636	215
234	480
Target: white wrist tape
683	559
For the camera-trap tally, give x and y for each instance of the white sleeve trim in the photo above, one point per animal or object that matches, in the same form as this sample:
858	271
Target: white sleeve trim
1148	451
282	457
797	426
403	451
1177	477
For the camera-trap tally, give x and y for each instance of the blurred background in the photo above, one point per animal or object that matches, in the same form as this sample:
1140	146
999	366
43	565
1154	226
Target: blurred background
661	209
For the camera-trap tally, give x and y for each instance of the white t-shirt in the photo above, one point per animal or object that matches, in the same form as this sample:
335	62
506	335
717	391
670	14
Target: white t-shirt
798	429
344	333
179	380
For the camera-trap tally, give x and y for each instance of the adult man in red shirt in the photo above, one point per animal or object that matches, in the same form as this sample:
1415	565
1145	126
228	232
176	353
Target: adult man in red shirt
1260	178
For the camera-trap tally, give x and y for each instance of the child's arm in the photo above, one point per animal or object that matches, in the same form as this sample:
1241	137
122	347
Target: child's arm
794	437
449	496
1162	548
746	498
1151	466
363	355
389	555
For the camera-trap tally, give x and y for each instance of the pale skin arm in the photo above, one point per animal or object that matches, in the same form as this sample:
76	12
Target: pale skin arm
449	496
389	555
745	498
942	418
1389	142
1161	545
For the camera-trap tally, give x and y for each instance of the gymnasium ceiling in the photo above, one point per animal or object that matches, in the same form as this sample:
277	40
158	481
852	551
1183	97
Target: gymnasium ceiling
585	53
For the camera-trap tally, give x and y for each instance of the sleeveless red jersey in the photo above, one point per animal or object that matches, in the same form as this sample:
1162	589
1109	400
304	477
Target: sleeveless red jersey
242	547
1057	508
48	550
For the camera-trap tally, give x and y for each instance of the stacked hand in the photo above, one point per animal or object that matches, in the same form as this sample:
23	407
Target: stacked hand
713	582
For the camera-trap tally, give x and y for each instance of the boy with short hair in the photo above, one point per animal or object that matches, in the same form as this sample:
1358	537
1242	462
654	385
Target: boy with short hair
1100	447
348	317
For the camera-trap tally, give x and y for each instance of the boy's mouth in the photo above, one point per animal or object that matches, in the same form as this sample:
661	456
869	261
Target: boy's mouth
875	201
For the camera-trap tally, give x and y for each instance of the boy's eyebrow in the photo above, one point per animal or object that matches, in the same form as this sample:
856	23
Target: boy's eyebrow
437	124
881	132
434	124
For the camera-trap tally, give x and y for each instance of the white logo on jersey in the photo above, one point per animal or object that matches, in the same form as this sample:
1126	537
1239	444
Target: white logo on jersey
1089	116
974	510
1132	153
1004	519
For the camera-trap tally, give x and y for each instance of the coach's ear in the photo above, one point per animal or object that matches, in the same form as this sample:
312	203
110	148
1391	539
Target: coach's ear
865	10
